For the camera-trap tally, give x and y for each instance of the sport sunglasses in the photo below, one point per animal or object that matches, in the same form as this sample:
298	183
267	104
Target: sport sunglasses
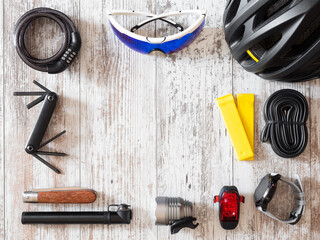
167	44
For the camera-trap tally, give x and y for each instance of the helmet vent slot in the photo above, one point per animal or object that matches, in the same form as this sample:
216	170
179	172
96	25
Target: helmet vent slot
266	44
313	27
277	6
306	41
269	42
237	36
270	11
232	11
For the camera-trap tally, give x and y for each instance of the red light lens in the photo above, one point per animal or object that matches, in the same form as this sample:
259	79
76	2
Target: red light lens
229	206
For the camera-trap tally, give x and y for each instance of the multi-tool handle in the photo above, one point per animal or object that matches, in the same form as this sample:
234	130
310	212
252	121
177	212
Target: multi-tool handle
34	142
35	139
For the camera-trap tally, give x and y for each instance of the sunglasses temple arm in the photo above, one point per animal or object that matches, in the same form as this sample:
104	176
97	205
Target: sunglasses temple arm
172	23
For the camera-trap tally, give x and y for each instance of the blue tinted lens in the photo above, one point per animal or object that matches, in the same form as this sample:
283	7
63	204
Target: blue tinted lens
178	44
139	46
166	47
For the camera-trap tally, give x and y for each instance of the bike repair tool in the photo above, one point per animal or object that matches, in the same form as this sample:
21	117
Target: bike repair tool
229	206
166	45
61	60
60	195
286	114
266	190
116	214
49	99
175	212
240	123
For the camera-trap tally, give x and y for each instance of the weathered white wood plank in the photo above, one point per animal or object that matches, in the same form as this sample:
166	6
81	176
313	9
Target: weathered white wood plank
314	200
194	151
118	126
2	170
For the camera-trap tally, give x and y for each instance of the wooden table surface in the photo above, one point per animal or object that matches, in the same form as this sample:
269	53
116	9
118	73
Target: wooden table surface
140	126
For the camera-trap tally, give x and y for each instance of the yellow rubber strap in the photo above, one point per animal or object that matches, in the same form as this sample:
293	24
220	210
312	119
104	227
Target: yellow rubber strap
252	56
245	104
235	127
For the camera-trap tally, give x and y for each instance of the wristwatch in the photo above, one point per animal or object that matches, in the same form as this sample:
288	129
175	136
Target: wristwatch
266	190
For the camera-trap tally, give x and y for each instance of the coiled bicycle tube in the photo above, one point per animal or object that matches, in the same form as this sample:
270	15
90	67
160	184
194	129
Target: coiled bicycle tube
61	60
286	113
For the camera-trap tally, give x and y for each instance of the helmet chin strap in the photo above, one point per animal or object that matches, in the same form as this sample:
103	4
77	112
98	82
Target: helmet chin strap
299	202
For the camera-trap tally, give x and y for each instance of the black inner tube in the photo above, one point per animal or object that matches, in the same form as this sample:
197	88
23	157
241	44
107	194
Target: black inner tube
286	113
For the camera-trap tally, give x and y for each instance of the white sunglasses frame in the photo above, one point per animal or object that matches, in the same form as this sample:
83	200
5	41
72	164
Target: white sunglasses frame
192	28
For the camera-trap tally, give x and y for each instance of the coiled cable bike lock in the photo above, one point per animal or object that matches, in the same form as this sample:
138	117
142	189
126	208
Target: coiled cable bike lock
286	113
61	60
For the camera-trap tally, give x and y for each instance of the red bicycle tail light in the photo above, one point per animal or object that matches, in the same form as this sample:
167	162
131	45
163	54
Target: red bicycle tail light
229	206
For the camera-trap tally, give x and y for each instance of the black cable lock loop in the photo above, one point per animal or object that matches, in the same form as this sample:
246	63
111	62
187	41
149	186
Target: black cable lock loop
61	60
286	113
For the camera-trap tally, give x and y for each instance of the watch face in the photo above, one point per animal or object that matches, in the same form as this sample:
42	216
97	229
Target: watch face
265	190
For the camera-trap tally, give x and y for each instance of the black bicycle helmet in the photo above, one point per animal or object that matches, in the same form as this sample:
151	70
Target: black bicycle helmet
275	39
